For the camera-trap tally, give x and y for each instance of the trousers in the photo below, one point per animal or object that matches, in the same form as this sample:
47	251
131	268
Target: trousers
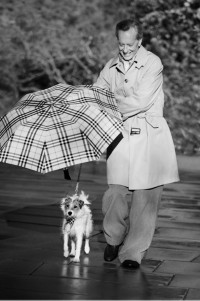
130	219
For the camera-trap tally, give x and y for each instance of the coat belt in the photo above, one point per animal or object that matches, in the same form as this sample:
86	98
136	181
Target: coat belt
150	118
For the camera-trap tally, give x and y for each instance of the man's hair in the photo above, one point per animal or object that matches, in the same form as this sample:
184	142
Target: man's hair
126	24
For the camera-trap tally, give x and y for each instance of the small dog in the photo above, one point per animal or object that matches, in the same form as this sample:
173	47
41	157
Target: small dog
77	224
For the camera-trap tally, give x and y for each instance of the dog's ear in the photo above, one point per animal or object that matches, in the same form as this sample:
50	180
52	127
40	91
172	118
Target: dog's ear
84	198
81	203
64	201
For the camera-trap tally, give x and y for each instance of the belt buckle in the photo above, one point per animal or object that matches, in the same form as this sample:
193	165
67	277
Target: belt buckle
135	131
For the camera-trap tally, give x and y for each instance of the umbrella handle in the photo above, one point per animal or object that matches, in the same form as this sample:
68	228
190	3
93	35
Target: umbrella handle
78	179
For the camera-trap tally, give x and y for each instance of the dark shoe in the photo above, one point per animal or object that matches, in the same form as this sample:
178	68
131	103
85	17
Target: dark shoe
130	264
111	252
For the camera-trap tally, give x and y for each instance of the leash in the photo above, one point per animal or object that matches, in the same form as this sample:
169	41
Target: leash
67	177
78	179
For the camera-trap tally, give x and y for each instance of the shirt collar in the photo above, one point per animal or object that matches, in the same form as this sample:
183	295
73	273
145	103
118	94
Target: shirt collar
140	58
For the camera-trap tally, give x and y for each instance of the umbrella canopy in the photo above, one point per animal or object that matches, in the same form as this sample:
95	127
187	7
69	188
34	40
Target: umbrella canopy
59	127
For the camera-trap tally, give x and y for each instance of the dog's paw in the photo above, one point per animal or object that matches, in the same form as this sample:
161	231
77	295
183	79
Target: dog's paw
76	259
66	254
72	254
87	249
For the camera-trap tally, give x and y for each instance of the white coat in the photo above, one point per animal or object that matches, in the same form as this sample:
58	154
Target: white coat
147	159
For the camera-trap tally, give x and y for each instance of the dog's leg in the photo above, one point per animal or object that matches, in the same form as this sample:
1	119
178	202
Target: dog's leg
66	248
87	246
79	240
89	228
73	248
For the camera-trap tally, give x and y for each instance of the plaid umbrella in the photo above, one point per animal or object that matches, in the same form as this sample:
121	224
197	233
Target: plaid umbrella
59	127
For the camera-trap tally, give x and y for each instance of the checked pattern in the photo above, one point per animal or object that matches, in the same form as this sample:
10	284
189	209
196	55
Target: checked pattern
59	127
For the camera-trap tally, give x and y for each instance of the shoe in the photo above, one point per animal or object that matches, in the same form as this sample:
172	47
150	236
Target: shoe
111	252
130	264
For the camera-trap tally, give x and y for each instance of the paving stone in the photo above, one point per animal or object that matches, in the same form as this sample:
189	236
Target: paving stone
178	267
197	259
180	215
186	281
21	294
171	254
179	203
12	267
163	222
193	294
29	254
96	289
180	233
175	243
108	272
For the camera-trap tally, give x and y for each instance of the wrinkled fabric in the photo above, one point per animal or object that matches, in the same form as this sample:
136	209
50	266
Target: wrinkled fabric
148	159
130	219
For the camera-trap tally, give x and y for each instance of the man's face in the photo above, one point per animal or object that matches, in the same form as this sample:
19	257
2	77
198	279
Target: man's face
128	43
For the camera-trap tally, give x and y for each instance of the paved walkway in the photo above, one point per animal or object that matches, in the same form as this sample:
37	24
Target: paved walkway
31	262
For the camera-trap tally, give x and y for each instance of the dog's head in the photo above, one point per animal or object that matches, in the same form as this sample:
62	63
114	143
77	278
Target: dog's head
71	205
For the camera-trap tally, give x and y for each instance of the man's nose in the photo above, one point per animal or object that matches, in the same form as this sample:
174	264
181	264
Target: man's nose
125	49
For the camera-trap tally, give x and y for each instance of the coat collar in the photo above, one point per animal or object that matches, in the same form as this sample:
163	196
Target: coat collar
140	59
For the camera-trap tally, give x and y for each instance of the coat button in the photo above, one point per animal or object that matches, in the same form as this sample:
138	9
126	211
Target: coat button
126	80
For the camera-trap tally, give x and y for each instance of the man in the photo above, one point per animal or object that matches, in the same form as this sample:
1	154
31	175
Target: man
144	160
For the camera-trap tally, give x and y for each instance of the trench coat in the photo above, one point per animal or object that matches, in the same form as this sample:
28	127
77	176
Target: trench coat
145	157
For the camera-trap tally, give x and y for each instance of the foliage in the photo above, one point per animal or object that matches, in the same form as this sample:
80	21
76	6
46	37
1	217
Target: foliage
46	41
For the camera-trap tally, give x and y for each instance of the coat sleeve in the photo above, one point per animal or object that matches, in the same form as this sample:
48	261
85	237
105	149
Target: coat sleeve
103	81
143	96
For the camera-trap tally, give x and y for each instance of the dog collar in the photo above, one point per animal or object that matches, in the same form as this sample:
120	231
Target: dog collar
70	221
